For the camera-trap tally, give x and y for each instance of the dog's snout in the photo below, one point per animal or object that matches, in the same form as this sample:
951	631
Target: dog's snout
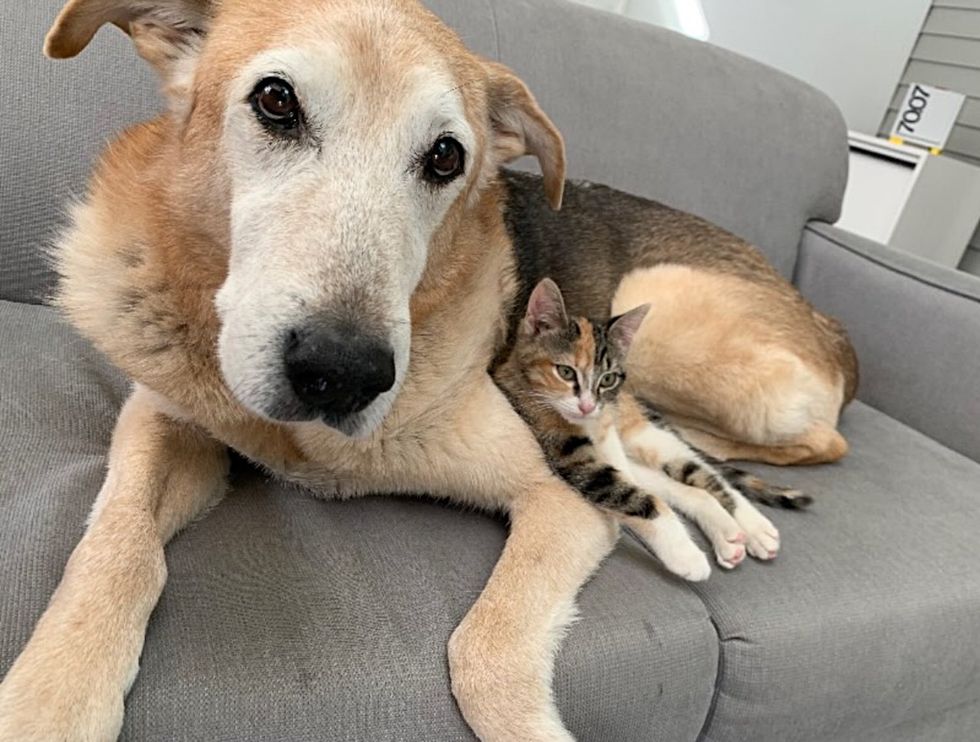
337	370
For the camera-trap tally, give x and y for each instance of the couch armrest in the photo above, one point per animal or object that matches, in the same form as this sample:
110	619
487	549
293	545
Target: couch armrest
915	325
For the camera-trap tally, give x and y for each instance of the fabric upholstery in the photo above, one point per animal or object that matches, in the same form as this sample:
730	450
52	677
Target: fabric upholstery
915	325
286	618
867	621
641	108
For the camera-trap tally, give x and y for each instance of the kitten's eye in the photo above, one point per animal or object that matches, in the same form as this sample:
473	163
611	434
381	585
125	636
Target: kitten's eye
608	380
565	372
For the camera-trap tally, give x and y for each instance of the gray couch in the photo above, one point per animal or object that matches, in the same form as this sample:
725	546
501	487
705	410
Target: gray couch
287	618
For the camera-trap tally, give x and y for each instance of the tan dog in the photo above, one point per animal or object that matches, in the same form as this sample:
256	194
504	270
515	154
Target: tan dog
281	263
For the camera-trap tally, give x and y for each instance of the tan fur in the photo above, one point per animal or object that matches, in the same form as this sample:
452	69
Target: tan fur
141	265
817	445
716	355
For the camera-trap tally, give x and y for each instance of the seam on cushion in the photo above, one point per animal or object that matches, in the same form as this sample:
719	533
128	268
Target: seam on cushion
720	669
908	273
794	269
18	303
29	301
709	717
496	28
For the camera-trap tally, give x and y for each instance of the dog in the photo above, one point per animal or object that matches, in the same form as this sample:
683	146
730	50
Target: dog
306	259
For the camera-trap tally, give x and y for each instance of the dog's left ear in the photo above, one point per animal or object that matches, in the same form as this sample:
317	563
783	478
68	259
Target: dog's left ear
520	127
166	33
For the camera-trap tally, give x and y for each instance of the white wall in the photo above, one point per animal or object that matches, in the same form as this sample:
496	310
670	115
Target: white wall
853	50
685	16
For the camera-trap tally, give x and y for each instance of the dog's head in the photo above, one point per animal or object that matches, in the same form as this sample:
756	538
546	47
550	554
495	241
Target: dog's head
332	145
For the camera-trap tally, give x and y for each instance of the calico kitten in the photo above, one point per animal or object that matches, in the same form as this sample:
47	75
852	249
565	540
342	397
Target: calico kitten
565	376
537	376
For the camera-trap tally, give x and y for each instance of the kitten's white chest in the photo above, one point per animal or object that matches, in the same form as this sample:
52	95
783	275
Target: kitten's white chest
604	436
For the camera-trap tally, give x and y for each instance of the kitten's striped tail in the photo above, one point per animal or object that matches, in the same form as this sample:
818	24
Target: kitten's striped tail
763	492
708	473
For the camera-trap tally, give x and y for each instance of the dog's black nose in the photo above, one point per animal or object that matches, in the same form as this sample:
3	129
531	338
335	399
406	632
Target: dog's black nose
338	370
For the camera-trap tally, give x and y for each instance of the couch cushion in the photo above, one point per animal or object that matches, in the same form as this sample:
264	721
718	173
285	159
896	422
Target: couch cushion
287	618
868	622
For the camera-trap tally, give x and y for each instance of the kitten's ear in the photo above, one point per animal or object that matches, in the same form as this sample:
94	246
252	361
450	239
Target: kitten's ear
545	309
622	329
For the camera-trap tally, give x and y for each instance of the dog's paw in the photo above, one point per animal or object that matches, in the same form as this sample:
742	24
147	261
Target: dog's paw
29	724
42	701
762	537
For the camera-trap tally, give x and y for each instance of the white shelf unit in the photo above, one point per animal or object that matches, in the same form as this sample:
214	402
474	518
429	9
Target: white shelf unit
911	200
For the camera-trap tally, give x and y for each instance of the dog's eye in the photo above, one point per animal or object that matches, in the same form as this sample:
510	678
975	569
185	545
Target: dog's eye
444	161
565	372
275	104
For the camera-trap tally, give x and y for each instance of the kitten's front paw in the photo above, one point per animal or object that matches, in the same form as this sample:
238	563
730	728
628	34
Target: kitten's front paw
726	536
667	537
689	562
729	553
762	536
677	550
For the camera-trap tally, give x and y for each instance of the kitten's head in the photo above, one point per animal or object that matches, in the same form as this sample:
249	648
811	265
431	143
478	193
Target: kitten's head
573	364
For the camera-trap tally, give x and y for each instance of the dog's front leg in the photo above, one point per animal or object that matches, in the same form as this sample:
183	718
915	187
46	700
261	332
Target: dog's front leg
501	655
69	682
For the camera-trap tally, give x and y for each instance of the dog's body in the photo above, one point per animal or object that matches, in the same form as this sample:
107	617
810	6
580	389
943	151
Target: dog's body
779	371
212	247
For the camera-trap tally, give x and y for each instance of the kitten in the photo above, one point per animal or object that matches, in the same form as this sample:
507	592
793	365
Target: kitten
565	376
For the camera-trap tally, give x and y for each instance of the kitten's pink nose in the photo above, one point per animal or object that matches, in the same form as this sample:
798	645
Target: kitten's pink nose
585	406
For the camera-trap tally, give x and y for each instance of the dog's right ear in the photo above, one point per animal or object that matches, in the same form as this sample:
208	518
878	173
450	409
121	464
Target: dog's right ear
521	127
166	33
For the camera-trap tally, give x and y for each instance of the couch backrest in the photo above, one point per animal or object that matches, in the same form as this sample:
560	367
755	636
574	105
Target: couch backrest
641	108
